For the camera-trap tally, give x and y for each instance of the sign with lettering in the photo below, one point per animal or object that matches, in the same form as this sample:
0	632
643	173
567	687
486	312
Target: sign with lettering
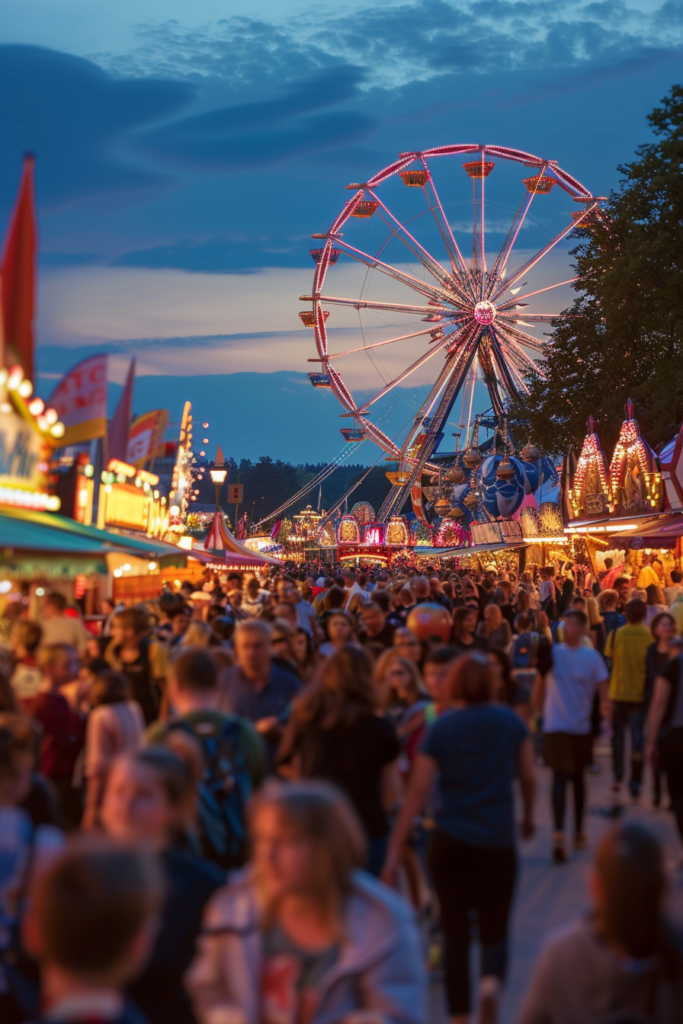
23	462
80	399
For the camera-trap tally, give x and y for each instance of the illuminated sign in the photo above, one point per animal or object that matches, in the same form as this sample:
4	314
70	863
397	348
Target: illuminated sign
374	534
128	501
26	442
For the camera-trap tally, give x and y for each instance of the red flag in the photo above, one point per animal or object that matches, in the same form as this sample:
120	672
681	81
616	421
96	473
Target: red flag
120	423
276	530
18	276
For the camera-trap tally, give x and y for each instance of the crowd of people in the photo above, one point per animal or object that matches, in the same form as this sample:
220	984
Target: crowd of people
298	799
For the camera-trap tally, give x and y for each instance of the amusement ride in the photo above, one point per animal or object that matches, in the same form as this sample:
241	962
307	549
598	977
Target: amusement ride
433	320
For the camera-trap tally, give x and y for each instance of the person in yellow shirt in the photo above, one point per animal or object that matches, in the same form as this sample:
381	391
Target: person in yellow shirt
627	648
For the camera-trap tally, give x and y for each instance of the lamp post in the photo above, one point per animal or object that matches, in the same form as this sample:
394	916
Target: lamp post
218	475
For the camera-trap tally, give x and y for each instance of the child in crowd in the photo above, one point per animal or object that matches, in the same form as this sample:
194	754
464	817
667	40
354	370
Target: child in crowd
63	729
115	726
92	928
26	676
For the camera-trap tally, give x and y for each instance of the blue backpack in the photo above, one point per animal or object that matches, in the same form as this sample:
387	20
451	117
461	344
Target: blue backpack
525	650
223	791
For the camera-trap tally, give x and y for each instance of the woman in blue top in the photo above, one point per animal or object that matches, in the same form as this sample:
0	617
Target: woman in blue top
473	754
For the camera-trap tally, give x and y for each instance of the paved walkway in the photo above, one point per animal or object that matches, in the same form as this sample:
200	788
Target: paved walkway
549	895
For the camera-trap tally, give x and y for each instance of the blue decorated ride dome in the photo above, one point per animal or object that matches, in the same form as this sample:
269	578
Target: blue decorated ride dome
501	498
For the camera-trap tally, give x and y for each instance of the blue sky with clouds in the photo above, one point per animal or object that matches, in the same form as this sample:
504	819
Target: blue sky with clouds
186	152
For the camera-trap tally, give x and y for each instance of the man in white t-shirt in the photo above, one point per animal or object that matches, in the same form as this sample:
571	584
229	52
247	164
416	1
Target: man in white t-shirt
60	628
566	698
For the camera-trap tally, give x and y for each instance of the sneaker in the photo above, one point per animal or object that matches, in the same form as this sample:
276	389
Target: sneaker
580	841
559	853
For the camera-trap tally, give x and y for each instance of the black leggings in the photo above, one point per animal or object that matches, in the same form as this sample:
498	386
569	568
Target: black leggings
560	780
472	878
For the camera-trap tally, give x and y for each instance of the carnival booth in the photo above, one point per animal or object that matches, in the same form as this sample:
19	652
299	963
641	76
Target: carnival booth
630	510
358	538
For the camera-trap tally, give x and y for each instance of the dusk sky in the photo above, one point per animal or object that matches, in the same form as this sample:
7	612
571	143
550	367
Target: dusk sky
187	151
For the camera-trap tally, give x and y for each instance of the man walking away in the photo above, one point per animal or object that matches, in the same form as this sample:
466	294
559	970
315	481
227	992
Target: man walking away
565	696
627	649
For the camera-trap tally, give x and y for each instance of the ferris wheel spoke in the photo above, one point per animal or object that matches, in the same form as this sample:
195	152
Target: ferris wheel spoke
499	268
502	364
399	275
541	318
460	268
391	307
411	243
406	373
522	386
510	303
389	341
526	267
518	353
523	338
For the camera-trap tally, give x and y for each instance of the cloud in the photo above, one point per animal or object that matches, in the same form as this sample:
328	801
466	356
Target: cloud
404	42
71	114
266	132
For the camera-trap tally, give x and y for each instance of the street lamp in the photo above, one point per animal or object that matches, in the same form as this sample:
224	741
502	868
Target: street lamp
218	474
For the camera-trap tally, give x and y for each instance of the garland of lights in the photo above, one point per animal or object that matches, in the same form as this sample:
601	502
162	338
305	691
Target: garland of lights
630	443
591	456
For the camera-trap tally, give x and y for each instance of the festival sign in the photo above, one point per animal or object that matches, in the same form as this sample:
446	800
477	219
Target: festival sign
28	434
81	400
145	436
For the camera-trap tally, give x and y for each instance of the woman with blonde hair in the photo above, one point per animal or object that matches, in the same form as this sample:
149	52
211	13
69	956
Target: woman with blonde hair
197	634
397	684
495	628
303	934
335	733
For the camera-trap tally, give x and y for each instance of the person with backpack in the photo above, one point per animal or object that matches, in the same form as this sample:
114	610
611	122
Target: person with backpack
627	649
232	754
150	801
524	655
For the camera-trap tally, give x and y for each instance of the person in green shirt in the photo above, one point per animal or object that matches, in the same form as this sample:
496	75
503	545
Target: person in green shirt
627	649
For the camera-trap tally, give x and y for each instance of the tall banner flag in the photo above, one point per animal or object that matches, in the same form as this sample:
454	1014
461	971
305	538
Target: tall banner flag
145	436
18	273
80	399
120	422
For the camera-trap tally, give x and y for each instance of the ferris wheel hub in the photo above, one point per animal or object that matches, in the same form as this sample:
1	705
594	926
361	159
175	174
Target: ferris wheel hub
484	313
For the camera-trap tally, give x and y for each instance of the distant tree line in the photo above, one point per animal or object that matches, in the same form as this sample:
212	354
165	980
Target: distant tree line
268	483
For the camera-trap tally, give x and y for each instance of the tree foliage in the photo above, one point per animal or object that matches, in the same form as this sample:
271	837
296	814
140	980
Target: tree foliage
626	335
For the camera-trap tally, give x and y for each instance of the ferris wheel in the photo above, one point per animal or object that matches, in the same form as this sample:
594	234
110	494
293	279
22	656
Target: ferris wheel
425	316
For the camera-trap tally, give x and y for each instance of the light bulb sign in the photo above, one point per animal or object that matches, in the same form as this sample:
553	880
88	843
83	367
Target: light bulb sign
374	535
23	463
